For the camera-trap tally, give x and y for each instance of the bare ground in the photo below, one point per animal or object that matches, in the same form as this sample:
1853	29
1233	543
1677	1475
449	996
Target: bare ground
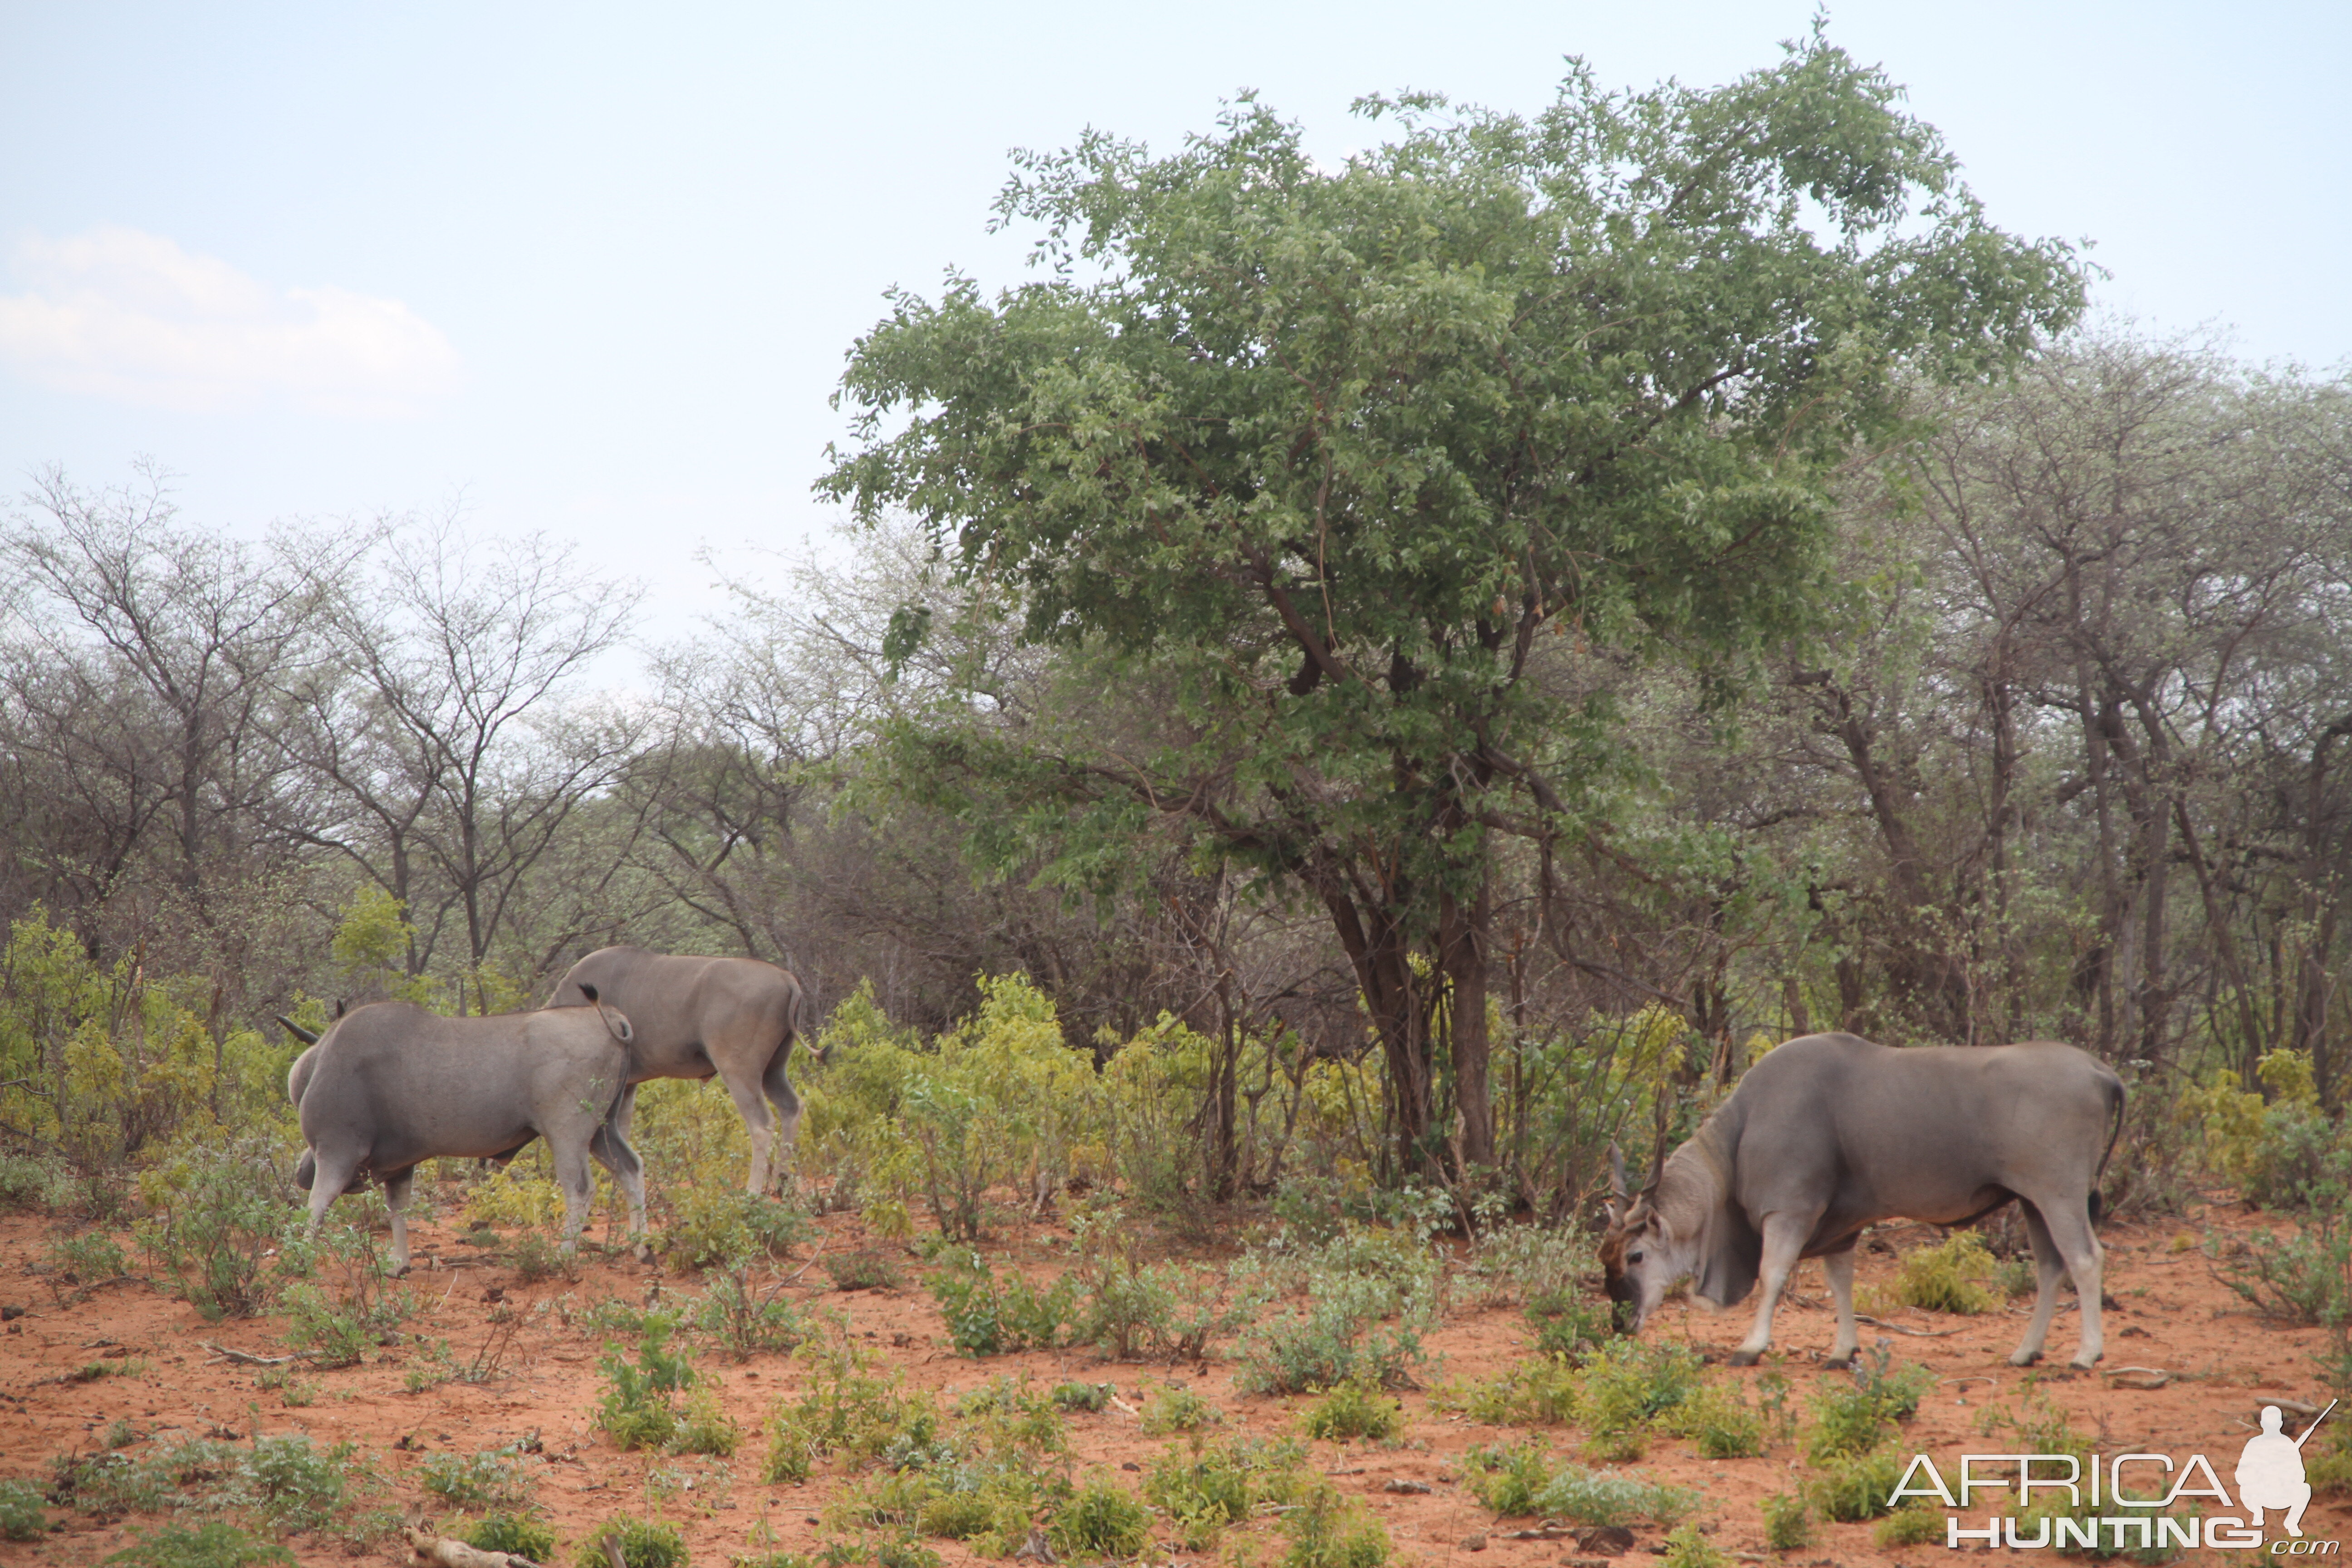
2170	1314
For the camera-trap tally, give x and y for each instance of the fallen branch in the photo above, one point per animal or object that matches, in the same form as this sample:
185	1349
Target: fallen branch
432	1548
1899	1329
246	1357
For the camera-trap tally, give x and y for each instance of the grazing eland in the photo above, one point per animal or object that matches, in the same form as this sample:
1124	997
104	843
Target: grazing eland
389	1085
1829	1133
735	1017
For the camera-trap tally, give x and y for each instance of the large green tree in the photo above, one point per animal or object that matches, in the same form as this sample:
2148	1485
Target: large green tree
1327	458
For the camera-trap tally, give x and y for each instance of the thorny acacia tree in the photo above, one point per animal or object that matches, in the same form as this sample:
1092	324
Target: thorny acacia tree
1325	454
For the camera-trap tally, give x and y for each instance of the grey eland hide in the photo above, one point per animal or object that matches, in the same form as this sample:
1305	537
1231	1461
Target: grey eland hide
1829	1133
694	1017
389	1085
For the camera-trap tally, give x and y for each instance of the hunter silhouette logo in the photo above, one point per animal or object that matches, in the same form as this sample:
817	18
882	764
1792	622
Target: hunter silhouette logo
2102	1507
2270	1471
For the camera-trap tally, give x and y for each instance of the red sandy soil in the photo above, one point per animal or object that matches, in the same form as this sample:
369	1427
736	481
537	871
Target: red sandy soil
2169	1313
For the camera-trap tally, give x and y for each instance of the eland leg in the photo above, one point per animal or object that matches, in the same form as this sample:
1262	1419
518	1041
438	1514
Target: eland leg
396	1185
328	1177
779	1091
2047	1270
614	1153
2068	1227
760	1122
1784	1239
1839	1266
572	1173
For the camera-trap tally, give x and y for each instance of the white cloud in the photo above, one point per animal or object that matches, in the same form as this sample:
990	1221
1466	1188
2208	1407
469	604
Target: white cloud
120	314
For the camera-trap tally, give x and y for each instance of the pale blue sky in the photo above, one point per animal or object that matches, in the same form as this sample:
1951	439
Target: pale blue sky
594	268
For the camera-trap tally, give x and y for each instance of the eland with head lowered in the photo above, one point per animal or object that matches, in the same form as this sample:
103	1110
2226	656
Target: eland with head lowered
390	1085
1829	1133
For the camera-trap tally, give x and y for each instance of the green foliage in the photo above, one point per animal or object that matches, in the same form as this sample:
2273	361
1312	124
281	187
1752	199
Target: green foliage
1627	1385
518	1533
219	1210
21	1517
1324	452
643	1544
493	1478
1954	1276
991	1314
1541	1392
1174	1410
1204	1488
216	1543
1788	1523
1566	1324
1518	1481
1542	1268
342	1304
744	1320
1508	1480
844	1407
1356	1282
1719	1422
640	1409
1352	1410
293	1485
1850	1419
724	1227
1134	1309
78	1260
1686	1548
864	1269
2303	1276
1855	1486
1102	1519
1912	1524
705	1427
1087	1397
1328	1531
30	1184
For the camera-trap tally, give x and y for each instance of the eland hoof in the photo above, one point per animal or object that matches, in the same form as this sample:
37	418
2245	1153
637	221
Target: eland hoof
1743	1356
1839	1362
2024	1358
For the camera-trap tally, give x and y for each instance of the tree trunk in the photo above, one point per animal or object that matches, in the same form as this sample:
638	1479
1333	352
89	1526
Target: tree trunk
1465	942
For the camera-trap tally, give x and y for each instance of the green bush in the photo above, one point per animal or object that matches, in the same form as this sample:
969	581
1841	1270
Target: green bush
643	1544
1855	1418
1788	1523
1087	1397
342	1304
517	1533
294	1485
639	1408
1206	1489
1719	1422
1175	1410
1518	1481
21	1517
1507	1480
1686	1548
80	1259
1954	1276
1357	1280
1857	1486
722	1227
864	1269
1625	1386
744	1321
992	1314
1910	1525
216	1543
31	1184
844	1407
705	1427
221	1209
1102	1519
1352	1410
1566	1324
492	1479
1327	1531
1539	1393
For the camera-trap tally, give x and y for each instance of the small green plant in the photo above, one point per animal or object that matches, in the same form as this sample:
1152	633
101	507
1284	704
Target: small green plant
1625	1386
1102	1519
744	1321
1566	1324
642	1543
1175	1410
1911	1525
1788	1523
844	1407
1507	1480
1517	1482
494	1478
1087	1397
639	1410
219	1211
1539	1392
722	1227
216	1543
864	1269
21	1517
1856	1418
342	1304
1207	1488
705	1427
992	1314
1352	1410
1954	1276
519	1535
1328	1531
1686	1548
1856	1487
79	1260
535	1259
1719	1422
294	1485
